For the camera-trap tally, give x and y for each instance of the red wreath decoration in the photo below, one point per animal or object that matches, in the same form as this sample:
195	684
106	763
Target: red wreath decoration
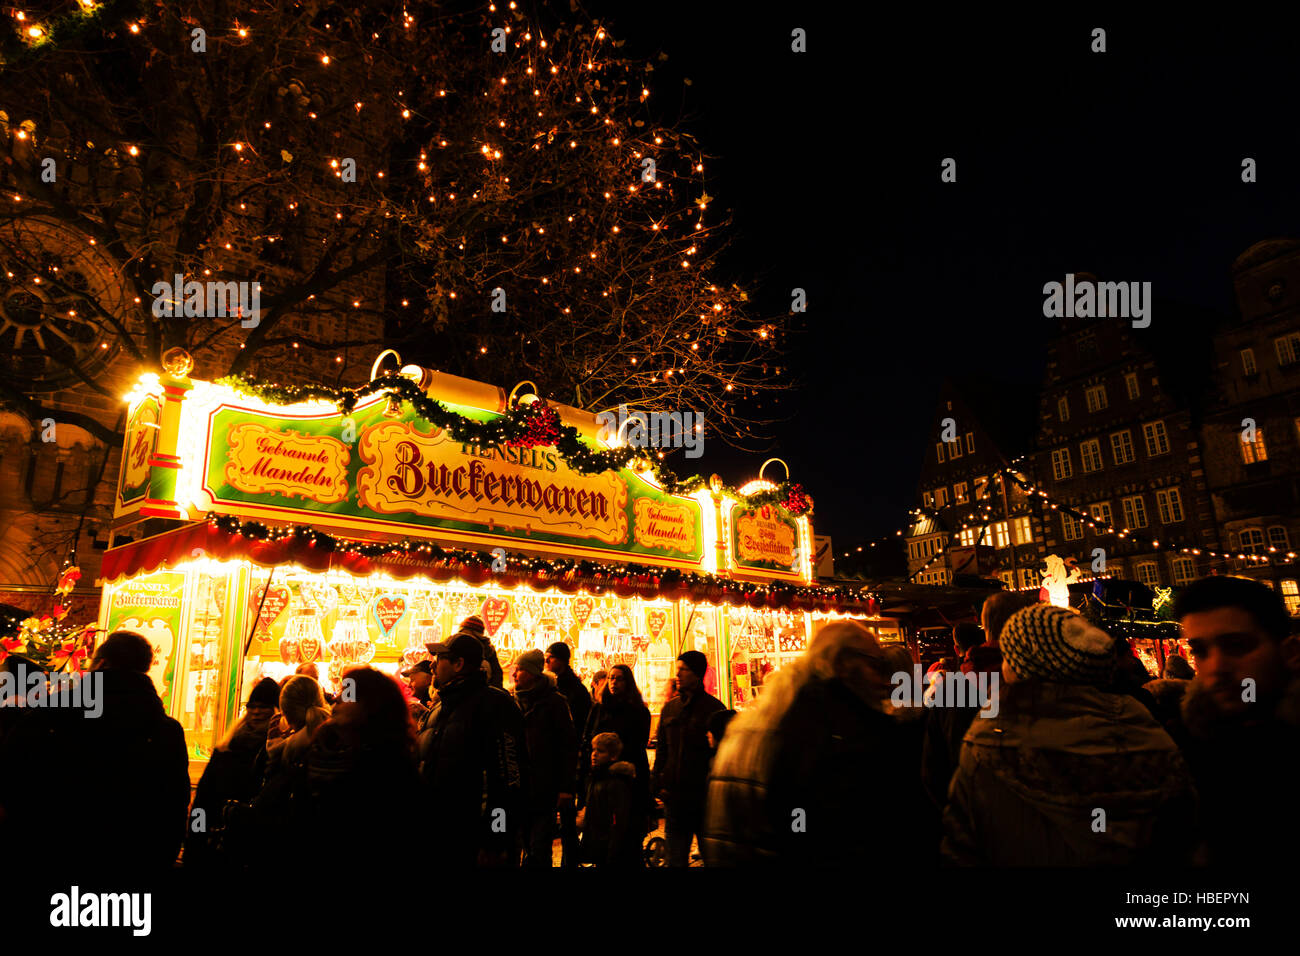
541	426
796	500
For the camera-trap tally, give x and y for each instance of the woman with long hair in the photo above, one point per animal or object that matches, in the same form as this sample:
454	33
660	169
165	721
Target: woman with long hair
620	710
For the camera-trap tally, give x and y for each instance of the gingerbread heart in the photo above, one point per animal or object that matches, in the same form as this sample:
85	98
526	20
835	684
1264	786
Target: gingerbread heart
582	608
277	599
387	610
656	619
495	612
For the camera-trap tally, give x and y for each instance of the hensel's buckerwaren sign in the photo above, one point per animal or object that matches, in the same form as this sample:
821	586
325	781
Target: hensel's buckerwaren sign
405	474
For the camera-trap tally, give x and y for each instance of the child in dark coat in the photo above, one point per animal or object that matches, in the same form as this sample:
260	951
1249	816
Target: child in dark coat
611	826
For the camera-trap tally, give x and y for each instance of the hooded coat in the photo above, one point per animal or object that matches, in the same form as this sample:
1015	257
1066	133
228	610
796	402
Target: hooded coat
612	825
1030	783
552	743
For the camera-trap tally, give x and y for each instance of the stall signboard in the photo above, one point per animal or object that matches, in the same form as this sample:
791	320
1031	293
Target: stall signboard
151	605
142	430
764	539
369	472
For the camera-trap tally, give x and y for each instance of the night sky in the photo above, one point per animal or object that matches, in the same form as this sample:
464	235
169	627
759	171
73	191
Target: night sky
1125	164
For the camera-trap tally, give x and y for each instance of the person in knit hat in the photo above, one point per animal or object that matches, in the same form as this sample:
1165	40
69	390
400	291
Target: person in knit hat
474	626
1066	773
682	757
552	744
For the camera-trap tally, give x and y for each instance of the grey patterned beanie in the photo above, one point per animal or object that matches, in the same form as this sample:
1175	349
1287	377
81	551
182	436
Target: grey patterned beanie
1056	644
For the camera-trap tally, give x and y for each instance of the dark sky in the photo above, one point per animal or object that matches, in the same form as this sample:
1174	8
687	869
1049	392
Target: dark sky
1126	164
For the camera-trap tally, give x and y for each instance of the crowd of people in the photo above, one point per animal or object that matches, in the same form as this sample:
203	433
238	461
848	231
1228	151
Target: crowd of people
1086	759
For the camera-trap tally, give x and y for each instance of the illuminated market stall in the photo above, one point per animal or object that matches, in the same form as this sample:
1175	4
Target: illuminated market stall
260	527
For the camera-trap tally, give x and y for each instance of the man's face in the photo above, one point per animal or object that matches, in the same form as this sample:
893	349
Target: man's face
446	669
687	679
523	679
1229	646
420	681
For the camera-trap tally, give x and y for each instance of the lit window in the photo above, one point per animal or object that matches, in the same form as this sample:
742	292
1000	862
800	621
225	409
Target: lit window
1169	502
1135	512
1101	515
941	497
1291	597
1148	572
981	487
927	499
1156	438
1061	468
1096	396
1131	384
1287	348
1121	446
1063	408
1030	578
959	495
998	534
1248	362
1184	571
1024	531
954	448
968	537
1253	451
1072	526
1090	455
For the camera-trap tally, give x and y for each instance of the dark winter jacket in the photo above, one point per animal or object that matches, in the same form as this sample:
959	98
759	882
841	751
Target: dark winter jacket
116	785
1247	776
473	767
798	795
631	721
612	824
682	756
231	774
576	693
552	743
1032	782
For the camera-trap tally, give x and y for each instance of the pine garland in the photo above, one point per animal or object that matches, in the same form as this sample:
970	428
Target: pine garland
525	425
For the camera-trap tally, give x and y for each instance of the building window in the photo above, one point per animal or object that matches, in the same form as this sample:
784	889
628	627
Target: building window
1121	446
1278	538
1148	572
968	537
1291	597
1030	578
981	487
939	451
1135	512
998	534
1024	531
954	448
1090	455
1131	385
1248	362
1061	468
959	496
970	443
1096	396
1253	451
940	497
1007	578
927	499
1252	541
1072	526
1063	408
1156	438
1184	571
1288	349
1169	502
1101	514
